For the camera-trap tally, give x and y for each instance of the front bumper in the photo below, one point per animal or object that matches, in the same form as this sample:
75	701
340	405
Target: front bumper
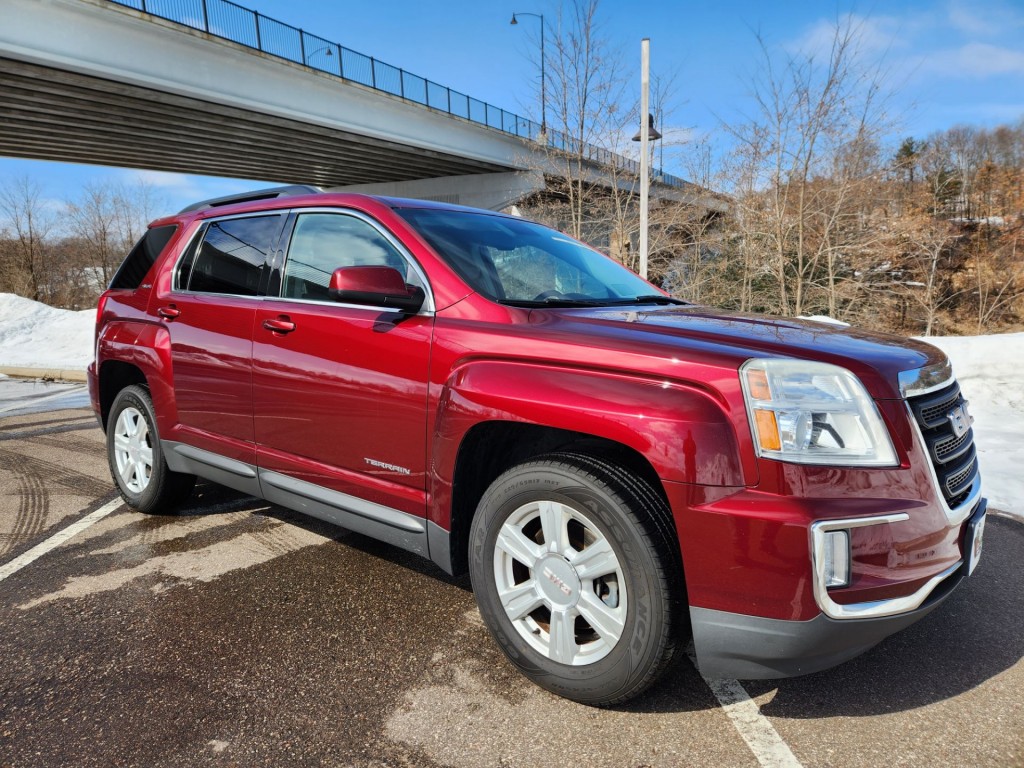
735	645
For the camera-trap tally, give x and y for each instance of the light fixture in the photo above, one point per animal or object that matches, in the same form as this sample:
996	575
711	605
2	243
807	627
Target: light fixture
652	132
543	90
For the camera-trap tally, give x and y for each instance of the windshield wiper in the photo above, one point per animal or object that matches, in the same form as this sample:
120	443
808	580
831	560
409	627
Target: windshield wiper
552	302
651	298
555	301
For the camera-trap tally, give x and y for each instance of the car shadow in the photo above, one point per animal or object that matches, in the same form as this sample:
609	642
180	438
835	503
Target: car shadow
969	639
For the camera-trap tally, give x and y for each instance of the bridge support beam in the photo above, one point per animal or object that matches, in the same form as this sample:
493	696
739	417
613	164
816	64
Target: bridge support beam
494	191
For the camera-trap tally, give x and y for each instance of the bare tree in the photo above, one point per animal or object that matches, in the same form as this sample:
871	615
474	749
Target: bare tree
109	218
802	164
999	279
586	88
928	243
30	221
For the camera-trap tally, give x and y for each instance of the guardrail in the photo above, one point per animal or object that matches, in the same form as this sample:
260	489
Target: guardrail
230	21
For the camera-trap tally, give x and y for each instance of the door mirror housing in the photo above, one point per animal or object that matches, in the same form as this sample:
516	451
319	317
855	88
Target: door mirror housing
375	286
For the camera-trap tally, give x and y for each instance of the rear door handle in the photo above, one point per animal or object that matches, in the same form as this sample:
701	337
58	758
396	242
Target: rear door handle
169	313
280	325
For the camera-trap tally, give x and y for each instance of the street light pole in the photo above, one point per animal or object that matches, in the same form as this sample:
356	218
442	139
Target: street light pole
543	90
645	171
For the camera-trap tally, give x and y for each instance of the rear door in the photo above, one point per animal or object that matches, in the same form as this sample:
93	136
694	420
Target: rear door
209	313
340	397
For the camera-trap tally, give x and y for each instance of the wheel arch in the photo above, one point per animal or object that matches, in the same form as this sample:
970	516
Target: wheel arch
490	448
114	376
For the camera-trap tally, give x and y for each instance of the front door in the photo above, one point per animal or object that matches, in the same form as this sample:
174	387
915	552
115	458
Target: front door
340	391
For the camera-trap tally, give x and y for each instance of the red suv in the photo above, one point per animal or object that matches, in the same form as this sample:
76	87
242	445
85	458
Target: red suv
618	470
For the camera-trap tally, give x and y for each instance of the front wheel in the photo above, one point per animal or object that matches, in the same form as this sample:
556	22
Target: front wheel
136	457
573	565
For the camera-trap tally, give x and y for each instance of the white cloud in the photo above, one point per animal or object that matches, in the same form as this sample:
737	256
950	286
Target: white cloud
162	179
183	189
873	35
621	142
976	19
977	60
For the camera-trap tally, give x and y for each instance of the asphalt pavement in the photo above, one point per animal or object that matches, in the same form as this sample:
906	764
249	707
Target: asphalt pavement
237	633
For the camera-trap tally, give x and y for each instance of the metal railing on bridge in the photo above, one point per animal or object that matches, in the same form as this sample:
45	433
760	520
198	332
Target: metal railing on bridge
230	21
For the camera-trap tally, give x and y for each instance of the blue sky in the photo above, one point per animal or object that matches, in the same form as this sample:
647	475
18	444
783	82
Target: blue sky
952	61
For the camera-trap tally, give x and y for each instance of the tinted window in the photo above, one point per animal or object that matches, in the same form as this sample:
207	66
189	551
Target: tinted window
142	257
323	242
231	256
517	261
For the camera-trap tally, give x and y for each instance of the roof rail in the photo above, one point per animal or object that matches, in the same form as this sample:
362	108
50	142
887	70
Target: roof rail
258	194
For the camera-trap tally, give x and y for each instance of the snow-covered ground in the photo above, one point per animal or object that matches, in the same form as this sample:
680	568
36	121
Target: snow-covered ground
988	368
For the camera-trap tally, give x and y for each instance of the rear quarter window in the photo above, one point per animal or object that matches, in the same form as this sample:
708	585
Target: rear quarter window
231	256
141	258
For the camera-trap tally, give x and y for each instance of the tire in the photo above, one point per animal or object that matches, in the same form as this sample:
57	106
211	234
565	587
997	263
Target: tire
136	457
575	566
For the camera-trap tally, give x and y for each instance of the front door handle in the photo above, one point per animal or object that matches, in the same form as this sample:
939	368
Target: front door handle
169	312
279	325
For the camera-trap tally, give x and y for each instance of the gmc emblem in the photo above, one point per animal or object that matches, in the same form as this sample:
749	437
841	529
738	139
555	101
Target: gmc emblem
959	419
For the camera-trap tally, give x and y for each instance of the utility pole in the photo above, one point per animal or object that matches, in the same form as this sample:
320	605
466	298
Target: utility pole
645	171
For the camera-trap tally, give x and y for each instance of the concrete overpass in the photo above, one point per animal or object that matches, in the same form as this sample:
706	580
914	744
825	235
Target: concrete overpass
96	81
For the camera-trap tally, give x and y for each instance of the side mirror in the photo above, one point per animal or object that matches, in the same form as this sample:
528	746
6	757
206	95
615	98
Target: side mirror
376	286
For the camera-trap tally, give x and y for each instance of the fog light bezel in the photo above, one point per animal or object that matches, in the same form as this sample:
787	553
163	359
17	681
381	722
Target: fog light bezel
818	544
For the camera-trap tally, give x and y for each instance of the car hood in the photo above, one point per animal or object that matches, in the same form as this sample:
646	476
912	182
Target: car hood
877	359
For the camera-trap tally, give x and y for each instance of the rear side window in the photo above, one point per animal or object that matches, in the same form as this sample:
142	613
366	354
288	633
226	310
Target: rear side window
134	268
231	256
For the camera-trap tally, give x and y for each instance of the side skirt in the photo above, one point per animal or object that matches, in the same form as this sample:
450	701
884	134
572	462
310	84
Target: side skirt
375	520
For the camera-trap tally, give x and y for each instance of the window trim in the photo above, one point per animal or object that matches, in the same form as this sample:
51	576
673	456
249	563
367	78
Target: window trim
428	308
199	235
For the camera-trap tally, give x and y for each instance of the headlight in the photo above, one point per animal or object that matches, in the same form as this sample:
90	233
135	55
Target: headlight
813	413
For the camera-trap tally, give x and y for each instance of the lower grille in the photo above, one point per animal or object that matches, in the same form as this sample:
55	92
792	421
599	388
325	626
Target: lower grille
946	428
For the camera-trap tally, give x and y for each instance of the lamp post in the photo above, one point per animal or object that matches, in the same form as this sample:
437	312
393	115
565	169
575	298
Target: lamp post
647	132
307	57
543	90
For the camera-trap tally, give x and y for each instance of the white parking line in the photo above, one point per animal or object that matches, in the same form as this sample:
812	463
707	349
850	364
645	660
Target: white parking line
57	539
755	729
762	738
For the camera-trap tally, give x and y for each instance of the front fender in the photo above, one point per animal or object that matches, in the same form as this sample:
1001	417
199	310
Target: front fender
684	431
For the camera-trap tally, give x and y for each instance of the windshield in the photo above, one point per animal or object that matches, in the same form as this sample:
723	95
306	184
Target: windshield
517	262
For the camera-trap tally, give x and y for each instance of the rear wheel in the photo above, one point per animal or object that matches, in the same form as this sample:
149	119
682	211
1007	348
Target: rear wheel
136	457
573	565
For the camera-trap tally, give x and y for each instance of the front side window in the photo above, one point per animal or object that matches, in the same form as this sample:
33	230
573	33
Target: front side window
231	256
324	242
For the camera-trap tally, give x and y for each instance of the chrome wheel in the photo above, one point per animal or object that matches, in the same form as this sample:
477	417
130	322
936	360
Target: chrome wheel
133	451
560	582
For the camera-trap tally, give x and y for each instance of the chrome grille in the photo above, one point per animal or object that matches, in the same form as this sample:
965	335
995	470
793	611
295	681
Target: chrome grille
949	448
932	414
953	456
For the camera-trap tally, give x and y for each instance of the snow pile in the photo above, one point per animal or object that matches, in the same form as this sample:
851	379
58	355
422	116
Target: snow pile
824	319
33	335
989	371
